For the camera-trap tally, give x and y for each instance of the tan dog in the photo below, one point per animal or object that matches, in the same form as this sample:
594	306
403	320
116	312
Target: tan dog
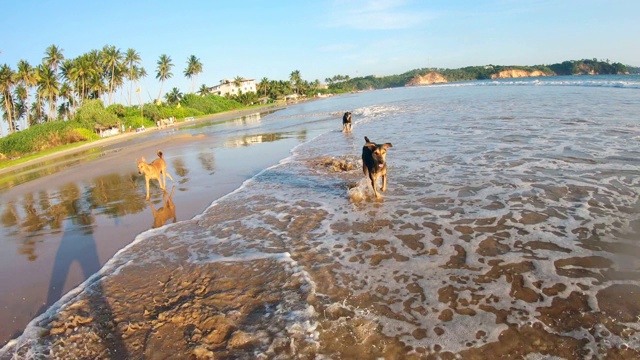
166	212
154	170
374	163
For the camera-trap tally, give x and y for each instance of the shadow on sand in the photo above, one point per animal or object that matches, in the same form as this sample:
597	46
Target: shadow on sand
78	245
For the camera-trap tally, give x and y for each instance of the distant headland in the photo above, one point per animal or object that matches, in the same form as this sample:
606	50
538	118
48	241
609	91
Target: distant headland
427	76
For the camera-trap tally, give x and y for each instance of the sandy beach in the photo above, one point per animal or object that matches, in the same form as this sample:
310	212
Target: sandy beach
43	241
114	140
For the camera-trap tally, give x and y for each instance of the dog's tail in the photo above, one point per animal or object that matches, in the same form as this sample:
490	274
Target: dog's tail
160	154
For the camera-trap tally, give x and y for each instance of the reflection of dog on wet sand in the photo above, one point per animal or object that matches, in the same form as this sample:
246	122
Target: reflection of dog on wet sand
346	122
154	170
166	212
374	163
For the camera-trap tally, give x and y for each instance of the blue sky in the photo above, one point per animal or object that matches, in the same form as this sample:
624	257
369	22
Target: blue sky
256	39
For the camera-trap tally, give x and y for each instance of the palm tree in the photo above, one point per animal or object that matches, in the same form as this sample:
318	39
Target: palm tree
194	68
238	83
48	87
163	71
295	79
141	73
111	60
95	85
95	88
174	96
204	90
27	76
7	82
66	93
132	60
118	78
69	79
264	85
82	71
21	106
53	58
37	111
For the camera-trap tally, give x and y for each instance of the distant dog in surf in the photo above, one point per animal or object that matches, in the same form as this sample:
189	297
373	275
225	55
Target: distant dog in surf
346	122
155	170
374	163
166	212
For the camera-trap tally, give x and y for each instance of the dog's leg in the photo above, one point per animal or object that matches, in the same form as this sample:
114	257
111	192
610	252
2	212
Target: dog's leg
147	182
373	185
160	183
384	183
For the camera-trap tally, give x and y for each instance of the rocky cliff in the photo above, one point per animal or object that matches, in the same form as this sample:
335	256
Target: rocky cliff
517	74
430	78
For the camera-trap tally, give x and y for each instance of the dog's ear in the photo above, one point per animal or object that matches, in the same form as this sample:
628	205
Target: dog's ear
143	159
386	146
371	146
366	139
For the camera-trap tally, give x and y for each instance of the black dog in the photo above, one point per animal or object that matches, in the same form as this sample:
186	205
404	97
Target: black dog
374	163
346	122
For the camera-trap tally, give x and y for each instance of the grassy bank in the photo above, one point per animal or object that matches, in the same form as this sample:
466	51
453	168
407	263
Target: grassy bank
91	141
43	139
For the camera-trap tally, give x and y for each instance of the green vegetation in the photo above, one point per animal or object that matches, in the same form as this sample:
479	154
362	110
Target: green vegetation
588	67
45	136
92	115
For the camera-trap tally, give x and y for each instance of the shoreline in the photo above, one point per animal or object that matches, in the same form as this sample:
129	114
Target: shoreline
222	116
45	256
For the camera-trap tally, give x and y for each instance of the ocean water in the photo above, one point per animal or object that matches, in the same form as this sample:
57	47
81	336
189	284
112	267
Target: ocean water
510	227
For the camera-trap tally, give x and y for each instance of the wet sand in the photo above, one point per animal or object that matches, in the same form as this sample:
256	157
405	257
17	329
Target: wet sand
254	300
118	139
52	263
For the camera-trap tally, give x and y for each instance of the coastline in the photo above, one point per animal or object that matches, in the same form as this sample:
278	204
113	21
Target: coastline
36	253
222	116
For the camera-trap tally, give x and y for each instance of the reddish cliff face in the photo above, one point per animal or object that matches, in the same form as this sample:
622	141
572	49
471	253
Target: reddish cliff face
430	78
517	74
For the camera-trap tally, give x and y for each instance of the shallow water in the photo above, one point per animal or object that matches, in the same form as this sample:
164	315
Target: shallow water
510	228
61	220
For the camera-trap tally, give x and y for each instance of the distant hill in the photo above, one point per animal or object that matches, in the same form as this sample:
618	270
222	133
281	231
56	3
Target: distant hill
414	77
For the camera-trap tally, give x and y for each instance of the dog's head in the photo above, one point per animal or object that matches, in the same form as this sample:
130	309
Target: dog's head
141	163
378	151
346	117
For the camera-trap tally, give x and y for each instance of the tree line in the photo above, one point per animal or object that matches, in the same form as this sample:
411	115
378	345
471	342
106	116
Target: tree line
61	85
57	88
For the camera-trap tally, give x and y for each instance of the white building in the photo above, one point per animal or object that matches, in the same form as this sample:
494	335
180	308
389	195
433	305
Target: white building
228	86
